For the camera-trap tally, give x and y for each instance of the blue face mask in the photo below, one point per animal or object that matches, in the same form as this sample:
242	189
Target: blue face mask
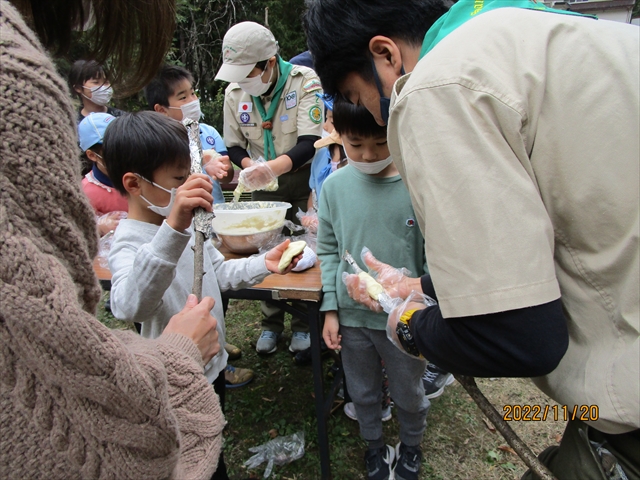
385	102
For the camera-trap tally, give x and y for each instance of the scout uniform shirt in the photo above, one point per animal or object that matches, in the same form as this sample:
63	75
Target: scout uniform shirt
299	113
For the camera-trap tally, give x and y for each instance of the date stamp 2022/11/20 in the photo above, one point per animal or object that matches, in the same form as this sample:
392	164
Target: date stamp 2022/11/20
540	413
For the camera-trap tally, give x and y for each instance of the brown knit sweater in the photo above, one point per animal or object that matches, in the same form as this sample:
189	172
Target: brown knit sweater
77	400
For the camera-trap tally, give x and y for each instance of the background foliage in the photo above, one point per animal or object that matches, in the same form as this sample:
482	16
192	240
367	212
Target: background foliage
197	44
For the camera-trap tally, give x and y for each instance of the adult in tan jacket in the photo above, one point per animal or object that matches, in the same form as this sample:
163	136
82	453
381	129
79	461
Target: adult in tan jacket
78	400
516	131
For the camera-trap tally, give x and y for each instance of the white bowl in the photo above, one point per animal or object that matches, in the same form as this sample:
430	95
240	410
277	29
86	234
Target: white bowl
244	227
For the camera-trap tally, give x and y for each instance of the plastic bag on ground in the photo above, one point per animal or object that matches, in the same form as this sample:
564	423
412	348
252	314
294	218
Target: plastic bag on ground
279	451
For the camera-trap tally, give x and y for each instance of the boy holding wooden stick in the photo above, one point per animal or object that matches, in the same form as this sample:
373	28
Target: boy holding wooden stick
151	259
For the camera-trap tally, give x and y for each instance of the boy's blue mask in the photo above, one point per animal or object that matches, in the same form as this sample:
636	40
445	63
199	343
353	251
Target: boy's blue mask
385	102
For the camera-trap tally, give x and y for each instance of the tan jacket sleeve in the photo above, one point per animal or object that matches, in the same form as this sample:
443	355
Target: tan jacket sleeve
310	110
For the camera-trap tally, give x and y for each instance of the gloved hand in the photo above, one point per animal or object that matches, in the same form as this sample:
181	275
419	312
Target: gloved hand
258	176
396	281
109	221
357	290
308	219
415	301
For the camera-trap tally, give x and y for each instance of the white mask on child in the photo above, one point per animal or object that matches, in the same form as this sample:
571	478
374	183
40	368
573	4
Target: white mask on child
163	211
190	110
100	95
371	168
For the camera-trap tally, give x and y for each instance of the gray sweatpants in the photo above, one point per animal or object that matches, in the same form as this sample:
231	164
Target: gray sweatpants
362	349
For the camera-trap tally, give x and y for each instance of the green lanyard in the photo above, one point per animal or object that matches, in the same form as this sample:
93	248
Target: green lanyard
465	10
267	125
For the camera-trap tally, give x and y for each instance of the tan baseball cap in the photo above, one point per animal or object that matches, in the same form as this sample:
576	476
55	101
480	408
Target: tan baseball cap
244	45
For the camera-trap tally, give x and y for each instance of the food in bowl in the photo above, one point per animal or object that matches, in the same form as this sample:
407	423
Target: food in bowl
244	227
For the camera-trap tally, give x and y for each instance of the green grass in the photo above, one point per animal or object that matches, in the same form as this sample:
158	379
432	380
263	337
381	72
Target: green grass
280	401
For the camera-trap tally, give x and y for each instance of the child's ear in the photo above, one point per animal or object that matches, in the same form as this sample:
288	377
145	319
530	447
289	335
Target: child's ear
91	155
160	109
131	183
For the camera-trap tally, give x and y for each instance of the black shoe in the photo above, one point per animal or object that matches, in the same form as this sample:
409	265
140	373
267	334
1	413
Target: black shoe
434	380
378	463
408	462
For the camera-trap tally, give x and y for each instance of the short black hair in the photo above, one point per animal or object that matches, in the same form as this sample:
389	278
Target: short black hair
164	83
141	143
356	120
338	32
83	70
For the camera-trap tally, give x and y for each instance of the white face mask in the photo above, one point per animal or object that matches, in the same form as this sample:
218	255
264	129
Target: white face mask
190	110
371	168
254	85
100	95
163	211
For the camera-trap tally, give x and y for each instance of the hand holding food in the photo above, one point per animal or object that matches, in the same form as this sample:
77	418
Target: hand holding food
274	257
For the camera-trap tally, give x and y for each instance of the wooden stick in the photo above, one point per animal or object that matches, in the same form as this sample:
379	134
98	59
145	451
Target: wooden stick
521	448
200	220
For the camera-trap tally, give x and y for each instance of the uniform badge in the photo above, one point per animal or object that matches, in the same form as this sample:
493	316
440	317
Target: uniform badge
245	107
312	85
210	140
315	114
245	117
411	222
291	100
284	118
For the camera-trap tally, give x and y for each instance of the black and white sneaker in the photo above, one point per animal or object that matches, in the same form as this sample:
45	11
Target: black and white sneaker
378	463
408	460
434	380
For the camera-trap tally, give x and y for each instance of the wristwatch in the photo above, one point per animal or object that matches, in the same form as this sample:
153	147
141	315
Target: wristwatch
405	336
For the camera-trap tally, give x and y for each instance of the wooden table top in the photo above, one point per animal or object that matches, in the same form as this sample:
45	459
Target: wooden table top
305	285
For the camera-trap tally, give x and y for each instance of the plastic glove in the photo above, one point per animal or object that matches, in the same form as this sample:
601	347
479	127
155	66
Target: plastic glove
109	221
258	176
279	451
216	165
357	290
308	259
308	219
414	301
396	281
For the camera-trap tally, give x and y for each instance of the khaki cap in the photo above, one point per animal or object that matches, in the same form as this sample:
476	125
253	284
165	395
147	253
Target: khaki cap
244	45
333	137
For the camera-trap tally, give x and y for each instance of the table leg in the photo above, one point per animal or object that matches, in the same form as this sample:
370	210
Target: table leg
318	387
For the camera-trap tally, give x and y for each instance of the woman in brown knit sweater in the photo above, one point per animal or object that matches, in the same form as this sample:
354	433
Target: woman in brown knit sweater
78	400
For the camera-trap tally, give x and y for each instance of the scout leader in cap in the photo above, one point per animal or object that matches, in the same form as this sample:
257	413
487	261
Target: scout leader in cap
270	110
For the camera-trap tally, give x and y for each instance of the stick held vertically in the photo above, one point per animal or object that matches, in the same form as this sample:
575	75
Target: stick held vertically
202	219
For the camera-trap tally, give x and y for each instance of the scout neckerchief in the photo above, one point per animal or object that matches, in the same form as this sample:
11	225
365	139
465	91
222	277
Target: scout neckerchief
267	125
465	10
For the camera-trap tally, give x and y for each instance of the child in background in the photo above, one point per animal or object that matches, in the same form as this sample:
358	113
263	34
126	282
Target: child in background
151	259
88	80
171	93
367	204
97	186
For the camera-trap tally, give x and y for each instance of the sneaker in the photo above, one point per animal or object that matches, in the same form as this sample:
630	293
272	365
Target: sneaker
237	377
408	460
300	341
268	342
350	411
434	380
233	351
378	463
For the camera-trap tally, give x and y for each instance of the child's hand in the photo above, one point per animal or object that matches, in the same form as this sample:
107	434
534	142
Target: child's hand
272	258
331	329
194	193
218	166
195	322
109	221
